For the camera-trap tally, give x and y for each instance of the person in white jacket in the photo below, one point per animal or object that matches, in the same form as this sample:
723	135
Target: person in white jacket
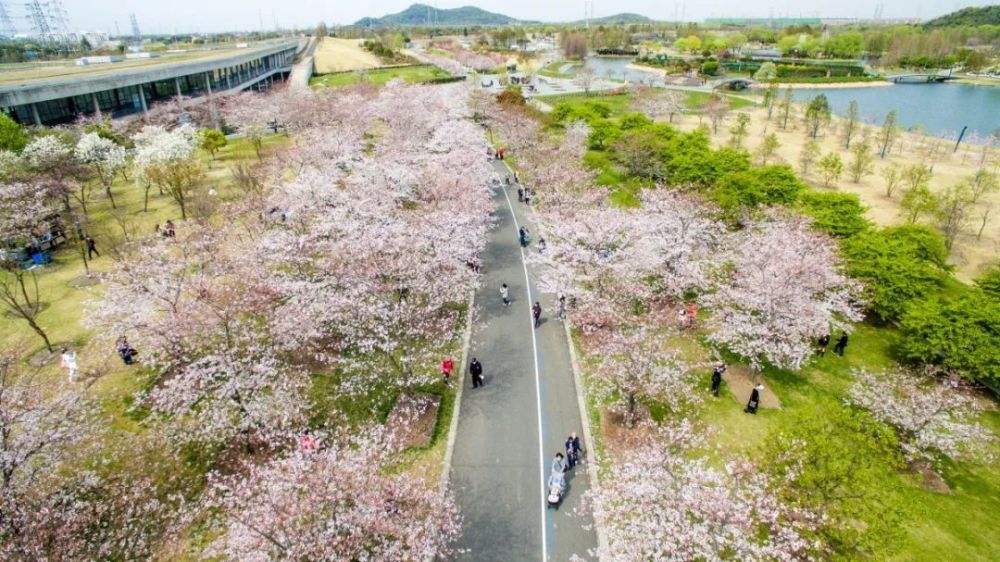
69	363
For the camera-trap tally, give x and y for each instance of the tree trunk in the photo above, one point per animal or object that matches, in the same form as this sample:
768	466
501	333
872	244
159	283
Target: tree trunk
107	189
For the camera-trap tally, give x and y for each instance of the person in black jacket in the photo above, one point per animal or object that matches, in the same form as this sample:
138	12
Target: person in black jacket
717	377
841	344
824	341
476	370
754	401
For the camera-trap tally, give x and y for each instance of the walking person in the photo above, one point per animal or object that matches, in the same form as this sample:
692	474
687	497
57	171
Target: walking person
517	178
824	341
536	313
523	238
754	401
520	195
476	370
841	344
91	247
68	362
447	366
541	244
572	449
717	372
558	464
505	294
562	307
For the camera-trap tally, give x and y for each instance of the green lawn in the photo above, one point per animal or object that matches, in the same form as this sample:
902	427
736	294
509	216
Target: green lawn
554	69
621	103
379	76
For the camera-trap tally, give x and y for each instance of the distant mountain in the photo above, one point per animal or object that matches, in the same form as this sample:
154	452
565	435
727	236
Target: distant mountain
987	15
422	14
625	18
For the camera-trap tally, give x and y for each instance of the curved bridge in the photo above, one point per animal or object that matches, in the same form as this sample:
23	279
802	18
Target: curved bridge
732	84
918	78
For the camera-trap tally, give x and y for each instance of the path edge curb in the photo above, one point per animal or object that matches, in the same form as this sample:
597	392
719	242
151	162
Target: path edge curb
460	381
592	456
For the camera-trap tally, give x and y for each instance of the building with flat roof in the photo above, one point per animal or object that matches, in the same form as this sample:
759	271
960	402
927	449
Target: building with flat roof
127	91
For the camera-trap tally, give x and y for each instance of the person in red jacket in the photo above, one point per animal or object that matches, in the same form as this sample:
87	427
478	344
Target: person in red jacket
447	366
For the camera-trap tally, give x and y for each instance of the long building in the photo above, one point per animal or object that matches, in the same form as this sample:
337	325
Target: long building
128	91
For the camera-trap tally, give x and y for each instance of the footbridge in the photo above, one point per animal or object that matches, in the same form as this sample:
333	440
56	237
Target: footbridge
921	78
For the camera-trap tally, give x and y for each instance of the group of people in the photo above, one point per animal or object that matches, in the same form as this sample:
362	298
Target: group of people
524	195
125	350
561	464
168	230
497	154
752	404
824	341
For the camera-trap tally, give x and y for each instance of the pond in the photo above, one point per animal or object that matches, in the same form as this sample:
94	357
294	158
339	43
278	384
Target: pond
616	68
939	109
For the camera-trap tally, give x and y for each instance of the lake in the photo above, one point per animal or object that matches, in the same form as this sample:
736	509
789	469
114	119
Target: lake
618	69
940	109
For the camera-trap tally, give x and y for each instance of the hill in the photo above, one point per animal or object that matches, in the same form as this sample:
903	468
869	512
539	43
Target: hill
422	14
987	15
623	18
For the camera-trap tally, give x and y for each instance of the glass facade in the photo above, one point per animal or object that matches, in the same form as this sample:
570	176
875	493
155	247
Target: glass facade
121	102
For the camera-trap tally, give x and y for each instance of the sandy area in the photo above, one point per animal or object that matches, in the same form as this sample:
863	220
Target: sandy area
338	55
969	255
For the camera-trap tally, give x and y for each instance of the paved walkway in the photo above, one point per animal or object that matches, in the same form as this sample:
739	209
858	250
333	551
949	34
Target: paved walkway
509	430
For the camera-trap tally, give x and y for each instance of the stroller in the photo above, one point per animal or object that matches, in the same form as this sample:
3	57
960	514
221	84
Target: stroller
557	487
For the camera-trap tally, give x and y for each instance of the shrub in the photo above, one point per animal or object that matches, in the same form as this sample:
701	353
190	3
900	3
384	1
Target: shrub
835	213
899	265
960	335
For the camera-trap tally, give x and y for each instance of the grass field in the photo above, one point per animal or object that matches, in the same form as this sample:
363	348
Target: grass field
554	69
339	55
379	76
621	103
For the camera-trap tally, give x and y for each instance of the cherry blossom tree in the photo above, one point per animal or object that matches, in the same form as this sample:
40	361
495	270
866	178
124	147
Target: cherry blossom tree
780	289
633	364
104	157
931	416
334	503
167	158
53	162
655	501
657	103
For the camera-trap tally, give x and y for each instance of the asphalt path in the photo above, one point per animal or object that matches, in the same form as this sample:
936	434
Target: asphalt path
510	429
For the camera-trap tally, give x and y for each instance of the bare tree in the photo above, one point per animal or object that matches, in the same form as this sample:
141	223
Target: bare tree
20	297
585	79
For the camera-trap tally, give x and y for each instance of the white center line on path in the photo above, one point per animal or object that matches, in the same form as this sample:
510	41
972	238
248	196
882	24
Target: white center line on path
538	384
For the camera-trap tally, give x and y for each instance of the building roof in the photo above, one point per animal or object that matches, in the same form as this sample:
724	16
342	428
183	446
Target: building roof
115	75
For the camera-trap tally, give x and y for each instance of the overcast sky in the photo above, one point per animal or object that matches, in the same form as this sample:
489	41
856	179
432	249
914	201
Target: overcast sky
162	16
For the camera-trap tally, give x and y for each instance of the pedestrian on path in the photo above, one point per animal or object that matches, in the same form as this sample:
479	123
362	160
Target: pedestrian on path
824	341
558	464
754	401
447	366
562	307
717	372
523	237
476	370
841	344
536	313
505	294
91	248
520	195
68	362
517	178
572	450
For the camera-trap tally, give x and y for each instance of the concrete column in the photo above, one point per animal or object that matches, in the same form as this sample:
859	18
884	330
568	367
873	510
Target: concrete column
177	85
97	105
35	115
229	71
142	98
208	83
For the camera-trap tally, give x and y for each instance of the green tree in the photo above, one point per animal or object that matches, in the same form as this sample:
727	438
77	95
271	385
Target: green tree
767	148
897	265
817	115
767	71
862	162
850	123
810	153
844	464
12	135
739	130
954	208
918	201
836	213
770	98
983	182
958	335
211	140
916	175
892	177
831	168
786	108
989	281
888	133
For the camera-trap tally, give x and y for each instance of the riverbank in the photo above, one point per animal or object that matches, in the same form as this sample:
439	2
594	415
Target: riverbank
823	86
643	68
